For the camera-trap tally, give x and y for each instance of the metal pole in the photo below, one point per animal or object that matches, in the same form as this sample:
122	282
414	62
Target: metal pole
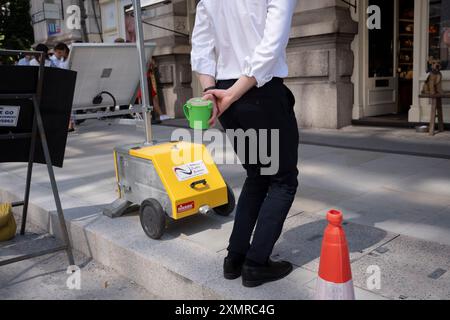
29	173
39	86
51	174
33	255
83	16
41	130
145	98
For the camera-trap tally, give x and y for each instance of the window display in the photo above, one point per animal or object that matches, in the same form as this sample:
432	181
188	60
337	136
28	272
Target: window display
439	33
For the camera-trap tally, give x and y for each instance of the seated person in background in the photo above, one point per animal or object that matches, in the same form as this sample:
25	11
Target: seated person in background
36	60
24	61
61	55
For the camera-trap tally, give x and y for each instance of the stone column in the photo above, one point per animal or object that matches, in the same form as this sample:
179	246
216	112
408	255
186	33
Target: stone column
172	55
321	64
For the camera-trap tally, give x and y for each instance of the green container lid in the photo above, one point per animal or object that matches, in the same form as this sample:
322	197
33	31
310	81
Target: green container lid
199	102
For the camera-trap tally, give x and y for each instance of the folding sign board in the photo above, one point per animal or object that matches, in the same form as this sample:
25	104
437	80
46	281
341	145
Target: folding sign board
16	115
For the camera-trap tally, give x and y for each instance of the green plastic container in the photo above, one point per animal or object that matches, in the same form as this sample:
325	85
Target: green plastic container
198	112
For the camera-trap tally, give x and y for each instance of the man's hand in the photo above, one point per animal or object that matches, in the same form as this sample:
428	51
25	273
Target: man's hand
215	112
224	99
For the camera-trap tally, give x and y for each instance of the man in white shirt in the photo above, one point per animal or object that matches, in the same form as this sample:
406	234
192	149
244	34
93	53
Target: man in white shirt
61	56
239	54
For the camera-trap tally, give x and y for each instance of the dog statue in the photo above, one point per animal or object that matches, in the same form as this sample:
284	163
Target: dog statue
433	85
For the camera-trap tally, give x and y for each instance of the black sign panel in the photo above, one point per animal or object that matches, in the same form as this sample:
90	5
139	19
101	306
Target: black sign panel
16	115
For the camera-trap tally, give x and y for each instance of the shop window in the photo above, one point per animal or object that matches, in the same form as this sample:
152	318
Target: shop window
439	33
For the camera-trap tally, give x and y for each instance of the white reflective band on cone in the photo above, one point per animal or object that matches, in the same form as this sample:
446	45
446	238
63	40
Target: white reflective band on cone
334	291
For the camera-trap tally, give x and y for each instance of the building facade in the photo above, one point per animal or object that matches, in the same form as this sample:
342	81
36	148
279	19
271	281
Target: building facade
53	21
342	67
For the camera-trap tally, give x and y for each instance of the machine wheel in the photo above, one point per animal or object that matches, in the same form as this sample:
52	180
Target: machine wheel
228	208
153	218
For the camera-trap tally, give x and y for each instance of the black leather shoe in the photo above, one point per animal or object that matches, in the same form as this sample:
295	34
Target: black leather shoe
232	269
254	276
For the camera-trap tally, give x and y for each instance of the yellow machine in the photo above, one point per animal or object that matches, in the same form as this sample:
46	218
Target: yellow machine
169	181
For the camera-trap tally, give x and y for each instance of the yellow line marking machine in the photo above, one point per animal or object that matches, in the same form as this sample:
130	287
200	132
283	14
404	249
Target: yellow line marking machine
169	181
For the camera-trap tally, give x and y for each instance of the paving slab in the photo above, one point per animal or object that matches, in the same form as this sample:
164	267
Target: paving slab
400	166
293	287
360	293
209	231
311	151
395	211
432	180
433	228
302	237
311	199
383	139
410	269
353	181
45	278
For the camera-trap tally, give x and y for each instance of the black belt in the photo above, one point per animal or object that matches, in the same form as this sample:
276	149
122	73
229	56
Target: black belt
233	81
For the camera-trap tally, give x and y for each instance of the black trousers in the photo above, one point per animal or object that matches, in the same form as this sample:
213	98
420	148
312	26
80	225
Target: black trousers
265	200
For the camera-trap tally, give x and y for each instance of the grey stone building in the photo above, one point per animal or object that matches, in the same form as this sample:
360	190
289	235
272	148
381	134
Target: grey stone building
340	70
51	21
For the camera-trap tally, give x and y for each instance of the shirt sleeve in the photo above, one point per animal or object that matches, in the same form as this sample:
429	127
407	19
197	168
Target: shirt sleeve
34	62
274	42
203	55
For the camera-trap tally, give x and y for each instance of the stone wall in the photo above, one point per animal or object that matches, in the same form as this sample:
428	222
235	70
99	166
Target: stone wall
172	55
321	64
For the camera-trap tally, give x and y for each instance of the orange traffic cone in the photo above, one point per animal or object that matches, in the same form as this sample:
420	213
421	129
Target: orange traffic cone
335	274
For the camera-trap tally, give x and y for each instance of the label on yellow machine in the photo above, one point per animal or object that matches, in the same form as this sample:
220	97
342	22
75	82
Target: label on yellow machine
189	175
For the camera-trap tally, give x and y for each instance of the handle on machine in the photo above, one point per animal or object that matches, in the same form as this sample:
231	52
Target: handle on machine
196	183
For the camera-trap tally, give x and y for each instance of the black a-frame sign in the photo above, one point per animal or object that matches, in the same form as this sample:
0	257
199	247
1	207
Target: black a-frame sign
35	108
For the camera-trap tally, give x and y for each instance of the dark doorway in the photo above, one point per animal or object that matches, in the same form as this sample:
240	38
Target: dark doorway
381	48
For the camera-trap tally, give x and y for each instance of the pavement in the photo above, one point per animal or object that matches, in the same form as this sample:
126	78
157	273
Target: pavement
396	206
369	138
45	278
389	140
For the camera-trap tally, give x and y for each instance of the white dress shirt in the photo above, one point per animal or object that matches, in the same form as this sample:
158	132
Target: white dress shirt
59	63
55	60
24	62
232	38
48	63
